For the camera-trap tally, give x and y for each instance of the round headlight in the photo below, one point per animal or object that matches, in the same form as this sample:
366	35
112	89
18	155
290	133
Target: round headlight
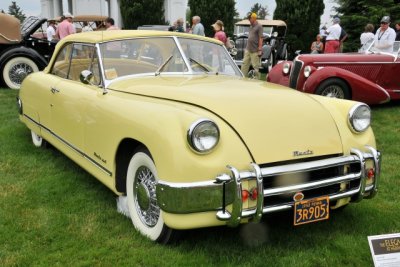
307	71
286	68
360	117
203	135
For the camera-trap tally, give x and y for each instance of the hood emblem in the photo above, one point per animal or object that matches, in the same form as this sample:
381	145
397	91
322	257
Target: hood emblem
302	153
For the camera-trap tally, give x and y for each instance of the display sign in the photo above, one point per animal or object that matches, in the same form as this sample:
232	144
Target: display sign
385	250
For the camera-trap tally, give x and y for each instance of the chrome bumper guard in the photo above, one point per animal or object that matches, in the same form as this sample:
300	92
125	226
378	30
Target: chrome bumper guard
226	189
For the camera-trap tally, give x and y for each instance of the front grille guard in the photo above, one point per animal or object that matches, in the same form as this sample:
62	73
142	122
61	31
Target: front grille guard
224	194
237	213
295	73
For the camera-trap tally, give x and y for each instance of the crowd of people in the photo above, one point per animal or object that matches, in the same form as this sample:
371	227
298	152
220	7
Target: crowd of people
330	40
65	27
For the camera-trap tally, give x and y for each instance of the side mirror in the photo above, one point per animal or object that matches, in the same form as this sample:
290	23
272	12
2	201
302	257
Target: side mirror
86	77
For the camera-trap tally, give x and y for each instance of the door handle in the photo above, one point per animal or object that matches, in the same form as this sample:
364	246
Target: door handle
54	90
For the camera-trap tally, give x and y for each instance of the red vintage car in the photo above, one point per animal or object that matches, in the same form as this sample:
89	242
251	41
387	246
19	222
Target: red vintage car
368	76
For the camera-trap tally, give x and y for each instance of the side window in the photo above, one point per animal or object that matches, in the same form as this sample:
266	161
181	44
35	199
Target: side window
84	57
61	65
73	59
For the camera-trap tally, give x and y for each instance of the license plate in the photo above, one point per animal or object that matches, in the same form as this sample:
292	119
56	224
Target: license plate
311	210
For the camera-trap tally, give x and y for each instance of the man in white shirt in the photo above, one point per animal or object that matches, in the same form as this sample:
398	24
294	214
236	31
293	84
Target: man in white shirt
332	44
385	36
51	30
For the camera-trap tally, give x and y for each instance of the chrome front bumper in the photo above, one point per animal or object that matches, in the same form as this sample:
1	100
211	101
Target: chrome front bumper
226	189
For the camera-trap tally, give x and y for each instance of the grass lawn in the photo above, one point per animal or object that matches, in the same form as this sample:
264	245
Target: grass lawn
54	213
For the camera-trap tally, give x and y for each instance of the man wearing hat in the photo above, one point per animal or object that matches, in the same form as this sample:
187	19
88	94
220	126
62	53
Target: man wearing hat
51	29
253	51
65	28
332	44
385	36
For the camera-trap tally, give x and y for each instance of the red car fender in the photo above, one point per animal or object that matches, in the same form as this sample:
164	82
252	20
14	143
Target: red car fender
276	75
361	89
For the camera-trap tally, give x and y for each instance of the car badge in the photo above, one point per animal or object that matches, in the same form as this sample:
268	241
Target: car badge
299	196
302	153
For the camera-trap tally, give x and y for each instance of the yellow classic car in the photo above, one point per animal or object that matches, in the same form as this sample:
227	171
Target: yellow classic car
167	122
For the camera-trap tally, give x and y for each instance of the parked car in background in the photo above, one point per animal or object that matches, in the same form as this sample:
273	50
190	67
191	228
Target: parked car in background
274	47
167	121
154	27
22	51
369	76
25	49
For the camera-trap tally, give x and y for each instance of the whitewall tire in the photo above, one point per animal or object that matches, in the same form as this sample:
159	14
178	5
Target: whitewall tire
37	140
16	69
143	208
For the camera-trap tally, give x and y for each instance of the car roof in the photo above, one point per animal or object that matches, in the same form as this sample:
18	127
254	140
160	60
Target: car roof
104	36
10	29
264	22
84	18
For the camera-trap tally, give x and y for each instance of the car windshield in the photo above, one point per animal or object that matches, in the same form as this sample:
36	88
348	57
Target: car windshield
244	30
165	55
372	47
28	24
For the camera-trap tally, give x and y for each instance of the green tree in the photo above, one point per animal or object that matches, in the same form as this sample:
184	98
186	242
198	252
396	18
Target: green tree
141	12
303	18
16	11
261	11
210	11
355	14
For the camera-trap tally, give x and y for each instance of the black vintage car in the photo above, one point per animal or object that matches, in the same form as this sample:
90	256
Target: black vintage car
274	47
25	49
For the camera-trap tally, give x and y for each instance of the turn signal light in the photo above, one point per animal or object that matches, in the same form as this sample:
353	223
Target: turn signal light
371	173
253	194
245	195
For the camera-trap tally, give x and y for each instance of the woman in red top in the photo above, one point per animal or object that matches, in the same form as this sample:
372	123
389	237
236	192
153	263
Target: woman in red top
219	31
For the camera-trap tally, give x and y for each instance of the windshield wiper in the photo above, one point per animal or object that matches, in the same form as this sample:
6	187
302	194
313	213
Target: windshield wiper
200	65
158	71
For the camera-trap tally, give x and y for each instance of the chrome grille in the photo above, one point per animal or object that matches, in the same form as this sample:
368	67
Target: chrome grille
294	74
314	178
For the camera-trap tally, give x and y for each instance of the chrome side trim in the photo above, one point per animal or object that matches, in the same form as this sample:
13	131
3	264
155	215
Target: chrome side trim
70	146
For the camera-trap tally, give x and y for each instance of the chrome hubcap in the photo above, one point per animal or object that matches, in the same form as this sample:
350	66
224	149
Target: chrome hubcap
18	72
333	91
145	197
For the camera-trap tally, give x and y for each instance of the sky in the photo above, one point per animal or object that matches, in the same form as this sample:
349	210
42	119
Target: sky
32	7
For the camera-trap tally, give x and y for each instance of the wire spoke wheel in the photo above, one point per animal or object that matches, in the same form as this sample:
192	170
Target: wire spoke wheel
16	70
334	91
145	197
335	88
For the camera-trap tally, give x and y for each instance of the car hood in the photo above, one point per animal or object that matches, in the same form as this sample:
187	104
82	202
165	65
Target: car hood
276	123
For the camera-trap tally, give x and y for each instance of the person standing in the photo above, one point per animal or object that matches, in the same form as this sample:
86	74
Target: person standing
253	50
110	24
219	31
66	27
86	27
385	36
179	25
367	35
397	26
317	46
332	44
51	30
197	28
